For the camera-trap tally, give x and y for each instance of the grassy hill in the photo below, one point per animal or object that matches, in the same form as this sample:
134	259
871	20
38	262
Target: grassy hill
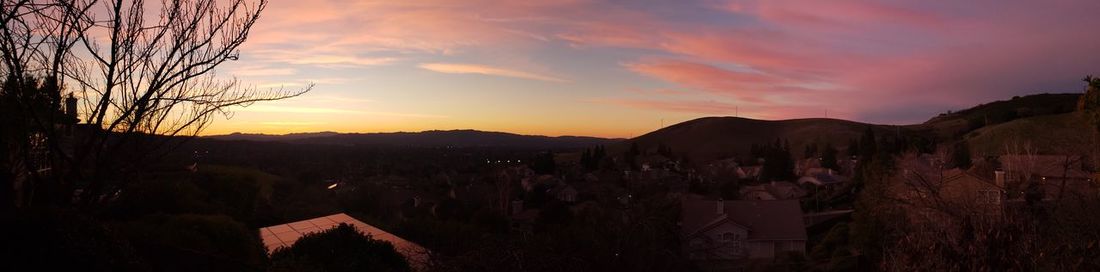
1067	133
1046	119
953	124
711	138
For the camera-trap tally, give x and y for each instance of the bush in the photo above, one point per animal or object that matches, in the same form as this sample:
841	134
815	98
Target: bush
53	240
173	196
191	242
342	248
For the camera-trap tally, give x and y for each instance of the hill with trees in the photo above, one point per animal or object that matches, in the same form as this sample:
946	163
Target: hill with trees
712	138
432	138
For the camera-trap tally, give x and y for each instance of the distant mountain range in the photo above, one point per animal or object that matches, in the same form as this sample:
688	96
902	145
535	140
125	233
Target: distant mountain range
987	126
432	138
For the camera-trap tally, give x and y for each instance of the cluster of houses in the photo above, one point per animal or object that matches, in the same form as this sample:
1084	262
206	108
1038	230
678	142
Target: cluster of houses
989	189
766	222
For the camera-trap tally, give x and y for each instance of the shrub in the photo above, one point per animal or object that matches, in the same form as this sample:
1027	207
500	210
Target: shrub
191	242
342	248
57	240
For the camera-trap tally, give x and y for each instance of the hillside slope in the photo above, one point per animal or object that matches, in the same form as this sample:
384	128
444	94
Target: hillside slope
711	138
1068	133
949	126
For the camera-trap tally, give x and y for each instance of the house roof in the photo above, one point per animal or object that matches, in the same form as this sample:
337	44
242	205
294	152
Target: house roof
822	178
285	235
765	219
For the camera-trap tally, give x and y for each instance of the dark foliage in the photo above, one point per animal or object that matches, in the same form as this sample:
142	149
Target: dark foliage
58	240
960	155
544	163
778	164
342	248
189	242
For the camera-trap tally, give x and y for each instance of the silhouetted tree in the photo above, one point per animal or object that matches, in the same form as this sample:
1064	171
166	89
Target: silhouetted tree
778	164
544	163
810	152
664	150
853	148
828	157
868	144
137	74
960	155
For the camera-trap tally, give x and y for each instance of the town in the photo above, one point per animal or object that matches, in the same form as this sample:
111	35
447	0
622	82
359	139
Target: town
730	135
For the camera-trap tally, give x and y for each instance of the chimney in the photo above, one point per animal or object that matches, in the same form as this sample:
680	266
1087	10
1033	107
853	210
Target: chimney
720	208
70	107
999	178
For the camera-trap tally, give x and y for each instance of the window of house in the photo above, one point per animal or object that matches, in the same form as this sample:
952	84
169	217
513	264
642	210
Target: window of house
726	237
989	196
696	242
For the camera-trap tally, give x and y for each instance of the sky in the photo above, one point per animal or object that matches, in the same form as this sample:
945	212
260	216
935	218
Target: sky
625	68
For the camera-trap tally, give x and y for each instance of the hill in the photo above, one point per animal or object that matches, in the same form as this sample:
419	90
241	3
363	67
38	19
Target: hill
711	138
256	137
953	124
433	138
1068	133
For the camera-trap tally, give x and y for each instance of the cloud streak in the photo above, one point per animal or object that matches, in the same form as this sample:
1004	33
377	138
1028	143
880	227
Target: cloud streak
459	68
872	60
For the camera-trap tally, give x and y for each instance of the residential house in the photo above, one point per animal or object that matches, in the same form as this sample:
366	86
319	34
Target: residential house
823	178
1057	176
772	191
756	192
564	192
932	193
730	231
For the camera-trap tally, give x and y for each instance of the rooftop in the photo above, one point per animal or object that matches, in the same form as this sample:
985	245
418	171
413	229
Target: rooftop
286	234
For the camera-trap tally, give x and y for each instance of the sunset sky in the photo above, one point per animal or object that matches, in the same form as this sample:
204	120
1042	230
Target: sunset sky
618	68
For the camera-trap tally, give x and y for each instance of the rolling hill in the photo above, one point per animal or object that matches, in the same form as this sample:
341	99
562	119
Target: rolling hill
986	127
432	138
951	125
1066	133
711	138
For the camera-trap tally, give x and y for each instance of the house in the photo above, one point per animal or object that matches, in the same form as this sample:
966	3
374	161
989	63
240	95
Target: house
285	235
824	178
1057	176
731	231
564	192
772	191
785	190
931	192
749	172
806	166
756	192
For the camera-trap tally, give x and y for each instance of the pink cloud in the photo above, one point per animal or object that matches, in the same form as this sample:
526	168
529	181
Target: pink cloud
746	85
460	68
868	58
719	108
